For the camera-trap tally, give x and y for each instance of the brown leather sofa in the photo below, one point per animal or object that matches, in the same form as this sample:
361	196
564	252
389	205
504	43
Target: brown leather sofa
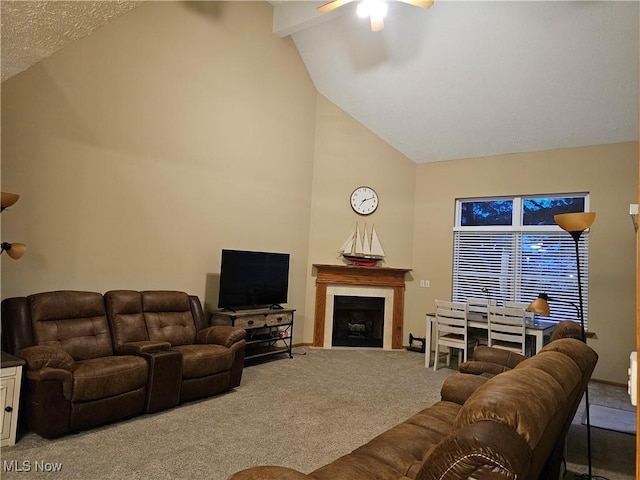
510	426
81	372
211	356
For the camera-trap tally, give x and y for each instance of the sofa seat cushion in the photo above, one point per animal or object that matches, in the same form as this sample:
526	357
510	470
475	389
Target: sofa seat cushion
103	377
204	360
398	452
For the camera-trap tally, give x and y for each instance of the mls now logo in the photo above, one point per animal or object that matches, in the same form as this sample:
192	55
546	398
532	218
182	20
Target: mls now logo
29	466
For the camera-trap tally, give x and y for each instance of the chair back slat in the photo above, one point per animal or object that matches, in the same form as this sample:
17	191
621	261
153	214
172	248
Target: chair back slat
451	327
479	305
507	328
528	314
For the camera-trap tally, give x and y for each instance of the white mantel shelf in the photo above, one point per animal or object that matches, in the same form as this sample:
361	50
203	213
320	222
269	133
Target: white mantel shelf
393	278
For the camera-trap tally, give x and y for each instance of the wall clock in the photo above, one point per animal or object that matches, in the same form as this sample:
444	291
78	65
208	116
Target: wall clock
364	200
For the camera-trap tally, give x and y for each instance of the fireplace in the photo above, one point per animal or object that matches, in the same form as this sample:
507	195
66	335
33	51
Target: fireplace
353	281
358	321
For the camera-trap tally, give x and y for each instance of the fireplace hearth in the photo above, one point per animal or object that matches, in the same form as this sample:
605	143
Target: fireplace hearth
358	321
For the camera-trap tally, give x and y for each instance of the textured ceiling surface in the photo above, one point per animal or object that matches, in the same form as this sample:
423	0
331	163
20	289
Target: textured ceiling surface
473	79
32	31
463	79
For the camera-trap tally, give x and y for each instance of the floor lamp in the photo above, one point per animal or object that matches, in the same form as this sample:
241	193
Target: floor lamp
575	224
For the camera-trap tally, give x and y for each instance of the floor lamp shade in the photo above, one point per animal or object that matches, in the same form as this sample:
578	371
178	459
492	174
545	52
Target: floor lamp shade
575	222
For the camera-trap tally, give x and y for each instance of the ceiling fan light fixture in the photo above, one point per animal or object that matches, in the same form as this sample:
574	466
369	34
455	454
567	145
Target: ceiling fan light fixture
376	9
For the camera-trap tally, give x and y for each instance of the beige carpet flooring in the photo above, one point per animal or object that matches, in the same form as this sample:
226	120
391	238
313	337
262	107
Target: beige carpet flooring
301	412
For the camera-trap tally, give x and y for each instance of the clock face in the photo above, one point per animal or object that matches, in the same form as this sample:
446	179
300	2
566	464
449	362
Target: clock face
364	200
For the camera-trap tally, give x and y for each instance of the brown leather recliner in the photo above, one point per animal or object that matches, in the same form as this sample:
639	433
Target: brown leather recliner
212	357
73	379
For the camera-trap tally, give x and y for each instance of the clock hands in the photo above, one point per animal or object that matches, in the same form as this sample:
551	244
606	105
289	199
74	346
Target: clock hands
366	199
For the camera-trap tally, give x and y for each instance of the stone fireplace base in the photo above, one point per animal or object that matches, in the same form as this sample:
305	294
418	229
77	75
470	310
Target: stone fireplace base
350	280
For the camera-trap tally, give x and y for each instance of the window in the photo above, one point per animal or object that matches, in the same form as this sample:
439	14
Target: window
510	249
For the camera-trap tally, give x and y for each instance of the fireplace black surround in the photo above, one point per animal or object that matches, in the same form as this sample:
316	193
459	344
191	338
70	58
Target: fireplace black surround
358	321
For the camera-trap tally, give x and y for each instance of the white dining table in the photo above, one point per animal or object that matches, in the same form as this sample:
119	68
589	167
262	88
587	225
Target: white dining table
538	329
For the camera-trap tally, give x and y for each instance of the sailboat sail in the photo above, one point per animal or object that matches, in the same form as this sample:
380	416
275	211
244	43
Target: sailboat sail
362	248
376	246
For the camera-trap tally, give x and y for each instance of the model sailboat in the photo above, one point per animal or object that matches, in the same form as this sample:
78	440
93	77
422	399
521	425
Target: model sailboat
362	249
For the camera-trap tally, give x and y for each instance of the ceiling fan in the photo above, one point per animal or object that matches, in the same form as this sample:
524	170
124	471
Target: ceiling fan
374	9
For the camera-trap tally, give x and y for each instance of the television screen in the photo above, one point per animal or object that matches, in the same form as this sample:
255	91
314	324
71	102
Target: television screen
253	279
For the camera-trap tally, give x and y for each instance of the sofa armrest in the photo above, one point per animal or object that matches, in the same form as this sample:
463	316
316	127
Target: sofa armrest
269	473
44	356
459	386
475	367
221	335
498	356
146	346
483	449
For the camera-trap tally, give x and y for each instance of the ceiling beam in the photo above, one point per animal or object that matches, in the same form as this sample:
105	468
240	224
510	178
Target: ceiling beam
291	16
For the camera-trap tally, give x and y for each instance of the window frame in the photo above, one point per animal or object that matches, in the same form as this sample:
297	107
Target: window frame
519	231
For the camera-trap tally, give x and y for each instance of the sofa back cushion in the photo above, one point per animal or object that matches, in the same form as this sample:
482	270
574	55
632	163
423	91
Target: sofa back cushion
168	317
562	368
124	309
73	320
525	399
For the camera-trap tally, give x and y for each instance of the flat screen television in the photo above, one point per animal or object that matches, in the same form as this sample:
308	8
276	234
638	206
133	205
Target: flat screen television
253	279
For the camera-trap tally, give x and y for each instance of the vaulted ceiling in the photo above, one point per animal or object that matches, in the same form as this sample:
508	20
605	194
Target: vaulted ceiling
459	80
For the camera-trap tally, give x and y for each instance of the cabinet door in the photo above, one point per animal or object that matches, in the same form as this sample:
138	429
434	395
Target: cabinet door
6	396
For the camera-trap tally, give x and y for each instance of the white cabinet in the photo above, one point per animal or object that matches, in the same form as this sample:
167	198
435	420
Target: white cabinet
10	381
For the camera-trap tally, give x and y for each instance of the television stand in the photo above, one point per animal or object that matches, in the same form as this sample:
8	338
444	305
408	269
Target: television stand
269	330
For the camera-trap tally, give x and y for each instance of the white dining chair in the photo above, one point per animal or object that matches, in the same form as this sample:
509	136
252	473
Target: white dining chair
507	328
480	307
529	315
452	331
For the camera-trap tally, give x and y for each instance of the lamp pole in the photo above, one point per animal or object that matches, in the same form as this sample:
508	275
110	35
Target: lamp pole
575	224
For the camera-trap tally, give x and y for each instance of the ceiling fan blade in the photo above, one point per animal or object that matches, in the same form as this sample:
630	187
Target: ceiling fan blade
327	7
419	3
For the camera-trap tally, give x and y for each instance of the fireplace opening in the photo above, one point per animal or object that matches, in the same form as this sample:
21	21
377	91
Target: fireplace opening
358	321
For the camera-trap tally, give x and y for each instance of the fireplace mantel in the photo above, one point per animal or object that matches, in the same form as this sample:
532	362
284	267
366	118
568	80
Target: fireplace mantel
359	276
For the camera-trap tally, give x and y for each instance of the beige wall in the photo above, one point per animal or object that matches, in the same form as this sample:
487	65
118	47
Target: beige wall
608	172
145	148
348	155
184	128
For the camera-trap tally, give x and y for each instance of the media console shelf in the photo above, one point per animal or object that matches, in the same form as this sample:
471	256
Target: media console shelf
269	331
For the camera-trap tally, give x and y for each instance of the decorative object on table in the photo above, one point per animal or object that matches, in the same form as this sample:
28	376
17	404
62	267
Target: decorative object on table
362	249
14	250
364	200
575	224
417	344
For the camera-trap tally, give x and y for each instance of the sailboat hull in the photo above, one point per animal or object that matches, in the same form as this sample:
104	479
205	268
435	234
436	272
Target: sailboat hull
361	261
